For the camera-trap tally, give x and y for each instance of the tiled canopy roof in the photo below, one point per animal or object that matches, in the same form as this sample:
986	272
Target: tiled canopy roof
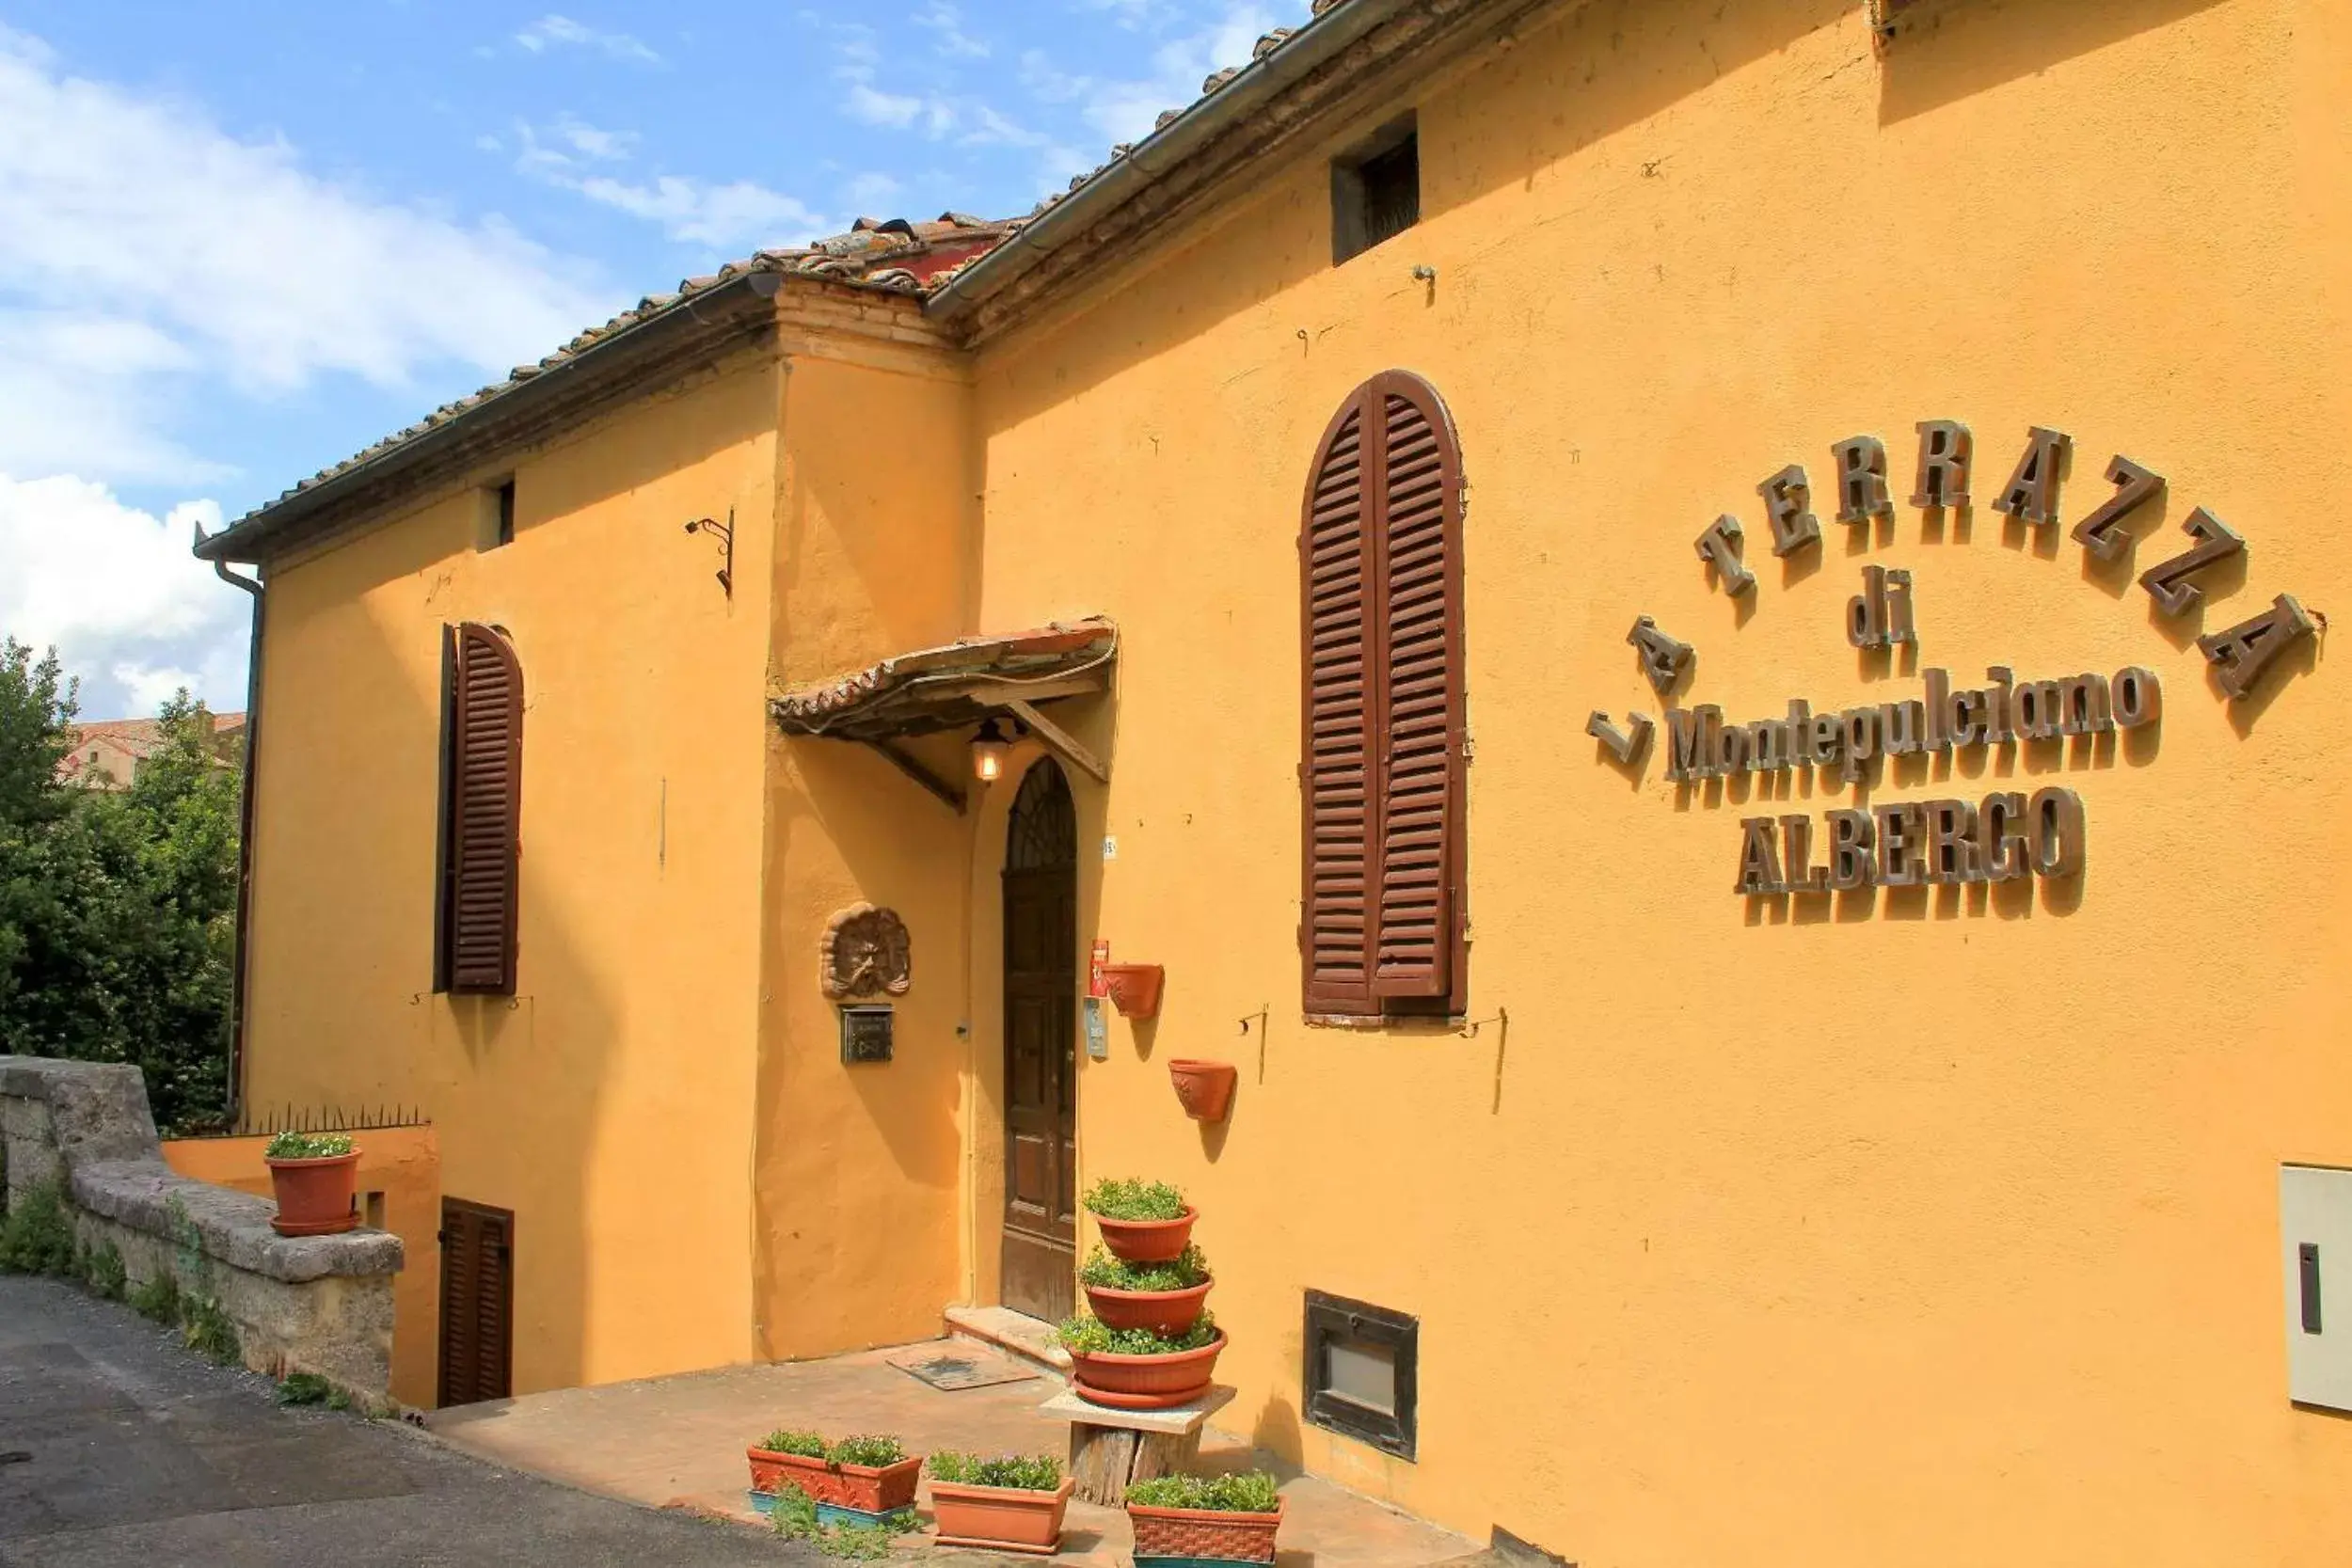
893	256
946	687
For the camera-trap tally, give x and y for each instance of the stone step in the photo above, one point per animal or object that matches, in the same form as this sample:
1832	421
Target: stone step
1023	1337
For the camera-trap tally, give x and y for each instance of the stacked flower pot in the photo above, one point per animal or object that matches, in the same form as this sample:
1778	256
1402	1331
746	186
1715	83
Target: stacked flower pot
1155	1381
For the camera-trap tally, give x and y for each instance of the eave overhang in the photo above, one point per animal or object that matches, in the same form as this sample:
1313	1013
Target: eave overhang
669	343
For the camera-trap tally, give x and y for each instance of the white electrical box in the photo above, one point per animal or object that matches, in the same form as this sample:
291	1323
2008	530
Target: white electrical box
2316	1243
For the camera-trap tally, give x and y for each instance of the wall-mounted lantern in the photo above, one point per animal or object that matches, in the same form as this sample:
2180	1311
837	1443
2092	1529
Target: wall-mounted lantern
989	749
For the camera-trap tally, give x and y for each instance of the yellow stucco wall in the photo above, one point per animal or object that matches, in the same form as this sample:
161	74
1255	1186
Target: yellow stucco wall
403	1165
859	1169
1939	1235
610	1103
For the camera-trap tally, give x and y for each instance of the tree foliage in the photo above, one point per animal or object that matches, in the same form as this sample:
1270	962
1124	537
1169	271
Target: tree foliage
116	910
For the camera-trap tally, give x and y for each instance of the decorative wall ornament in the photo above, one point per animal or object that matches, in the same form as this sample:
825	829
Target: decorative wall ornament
866	953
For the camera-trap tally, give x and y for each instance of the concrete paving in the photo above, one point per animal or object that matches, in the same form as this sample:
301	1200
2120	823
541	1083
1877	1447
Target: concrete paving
120	1450
679	1441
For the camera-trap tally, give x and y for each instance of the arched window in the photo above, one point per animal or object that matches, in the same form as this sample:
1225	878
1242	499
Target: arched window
482	781
1383	926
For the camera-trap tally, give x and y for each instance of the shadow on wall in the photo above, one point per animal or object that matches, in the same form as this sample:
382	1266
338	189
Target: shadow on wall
1619	63
520	1089
1942	50
858	1168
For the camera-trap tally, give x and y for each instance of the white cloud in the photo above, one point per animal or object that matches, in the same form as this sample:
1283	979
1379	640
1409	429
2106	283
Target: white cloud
1124	109
562	32
741	215
735	215
145	253
946	20
115	589
873	189
875	108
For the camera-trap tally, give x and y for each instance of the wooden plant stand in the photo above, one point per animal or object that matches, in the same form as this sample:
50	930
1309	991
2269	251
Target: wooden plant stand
1110	1448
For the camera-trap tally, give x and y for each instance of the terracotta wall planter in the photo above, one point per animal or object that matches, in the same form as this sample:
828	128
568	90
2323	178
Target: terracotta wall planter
1205	1089
314	1195
1198	1533
1134	987
1166	1313
1145	1382
1147	1241
869	1488
1000	1518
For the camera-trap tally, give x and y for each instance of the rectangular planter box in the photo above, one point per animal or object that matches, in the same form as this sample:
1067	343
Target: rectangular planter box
1200	1532
868	1488
1000	1518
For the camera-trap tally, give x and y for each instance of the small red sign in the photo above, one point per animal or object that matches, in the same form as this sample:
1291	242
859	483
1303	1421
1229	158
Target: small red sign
1096	985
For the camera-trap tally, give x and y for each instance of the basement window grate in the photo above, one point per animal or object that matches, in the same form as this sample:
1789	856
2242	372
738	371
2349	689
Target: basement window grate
1363	1365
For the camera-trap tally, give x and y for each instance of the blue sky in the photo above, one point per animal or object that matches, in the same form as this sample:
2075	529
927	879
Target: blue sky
239	242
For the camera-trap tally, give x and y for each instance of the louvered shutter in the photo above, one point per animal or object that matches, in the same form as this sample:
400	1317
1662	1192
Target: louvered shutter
1336	925
483	804
1381	778
493	1306
1420	721
459	1283
477	1302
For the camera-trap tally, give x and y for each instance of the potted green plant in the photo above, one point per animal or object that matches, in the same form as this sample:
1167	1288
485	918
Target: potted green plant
1011	1503
1182	1520
1134	1369
314	1176
866	1475
1166	1298
1141	1222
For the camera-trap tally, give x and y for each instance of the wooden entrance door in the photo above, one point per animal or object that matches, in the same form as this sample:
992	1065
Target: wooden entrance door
1039	1256
477	1302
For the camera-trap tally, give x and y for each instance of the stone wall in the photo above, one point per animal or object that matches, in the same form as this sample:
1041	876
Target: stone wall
313	1303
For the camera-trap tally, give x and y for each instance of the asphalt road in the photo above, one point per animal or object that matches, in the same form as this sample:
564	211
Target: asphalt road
120	1449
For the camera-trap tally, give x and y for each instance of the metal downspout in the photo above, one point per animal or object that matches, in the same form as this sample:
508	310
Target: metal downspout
244	833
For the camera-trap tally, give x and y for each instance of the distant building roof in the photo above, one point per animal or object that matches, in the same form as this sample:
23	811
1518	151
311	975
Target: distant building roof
131	740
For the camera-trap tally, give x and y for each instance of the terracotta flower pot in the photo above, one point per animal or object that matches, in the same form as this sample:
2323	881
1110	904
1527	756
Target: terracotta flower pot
1145	1382
1198	1533
1147	1241
1134	987
1205	1089
314	1195
1166	1313
872	1489
1000	1518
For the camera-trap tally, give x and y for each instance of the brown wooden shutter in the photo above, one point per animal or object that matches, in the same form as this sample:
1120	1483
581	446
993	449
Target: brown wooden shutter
1335	568
1420	728
482	807
1382	778
477	1302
